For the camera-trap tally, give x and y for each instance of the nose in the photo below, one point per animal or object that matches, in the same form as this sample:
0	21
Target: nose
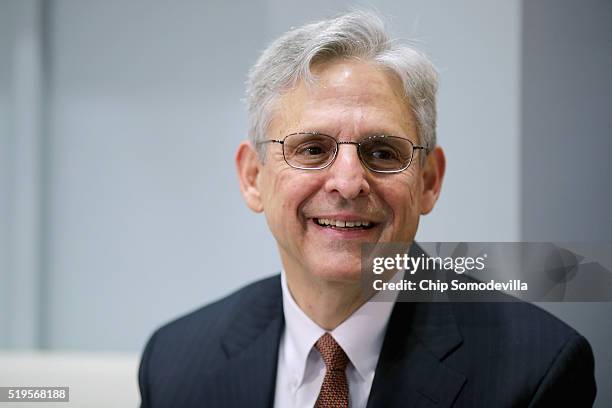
347	175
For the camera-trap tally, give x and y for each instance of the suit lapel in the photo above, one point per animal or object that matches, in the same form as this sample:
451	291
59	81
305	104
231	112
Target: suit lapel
251	346
410	370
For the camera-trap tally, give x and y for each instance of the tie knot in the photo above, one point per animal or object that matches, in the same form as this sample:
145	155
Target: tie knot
333	356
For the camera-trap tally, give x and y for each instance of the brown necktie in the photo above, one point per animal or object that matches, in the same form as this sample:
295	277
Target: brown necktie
334	391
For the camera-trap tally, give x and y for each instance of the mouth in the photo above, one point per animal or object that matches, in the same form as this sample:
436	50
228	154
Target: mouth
343	224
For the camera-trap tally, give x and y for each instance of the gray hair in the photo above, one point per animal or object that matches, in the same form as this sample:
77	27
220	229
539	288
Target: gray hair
358	34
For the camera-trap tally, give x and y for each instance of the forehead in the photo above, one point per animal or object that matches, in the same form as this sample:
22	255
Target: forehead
348	96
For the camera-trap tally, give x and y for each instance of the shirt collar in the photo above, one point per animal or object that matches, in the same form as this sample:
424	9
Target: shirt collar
360	335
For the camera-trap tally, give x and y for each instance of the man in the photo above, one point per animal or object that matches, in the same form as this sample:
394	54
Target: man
342	152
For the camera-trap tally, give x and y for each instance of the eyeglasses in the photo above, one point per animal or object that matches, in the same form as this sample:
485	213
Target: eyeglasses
316	151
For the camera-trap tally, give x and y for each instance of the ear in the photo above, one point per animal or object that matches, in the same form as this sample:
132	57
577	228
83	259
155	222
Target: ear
248	167
432	175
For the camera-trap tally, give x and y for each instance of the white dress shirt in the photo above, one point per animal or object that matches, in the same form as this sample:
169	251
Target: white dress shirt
300	368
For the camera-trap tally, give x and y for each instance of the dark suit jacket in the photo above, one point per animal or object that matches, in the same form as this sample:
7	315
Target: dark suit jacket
434	355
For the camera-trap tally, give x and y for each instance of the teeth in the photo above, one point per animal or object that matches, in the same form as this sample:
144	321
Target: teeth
342	224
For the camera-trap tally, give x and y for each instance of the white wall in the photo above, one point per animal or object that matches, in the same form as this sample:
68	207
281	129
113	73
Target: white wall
142	215
20	172
6	41
142	227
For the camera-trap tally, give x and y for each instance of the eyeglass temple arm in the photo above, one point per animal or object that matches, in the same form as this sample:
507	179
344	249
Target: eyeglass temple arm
271	141
418	147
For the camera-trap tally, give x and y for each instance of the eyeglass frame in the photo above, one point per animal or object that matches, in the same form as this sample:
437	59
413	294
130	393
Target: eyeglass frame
357	146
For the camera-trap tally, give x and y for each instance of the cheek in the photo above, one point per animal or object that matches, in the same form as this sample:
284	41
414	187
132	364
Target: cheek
286	193
403	197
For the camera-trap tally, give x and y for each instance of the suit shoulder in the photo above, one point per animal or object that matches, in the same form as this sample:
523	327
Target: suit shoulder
521	318
207	323
525	346
516	332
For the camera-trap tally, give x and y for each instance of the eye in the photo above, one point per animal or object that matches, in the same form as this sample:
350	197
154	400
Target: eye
311	149
384	153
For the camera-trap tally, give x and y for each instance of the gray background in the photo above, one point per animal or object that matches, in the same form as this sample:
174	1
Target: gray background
119	205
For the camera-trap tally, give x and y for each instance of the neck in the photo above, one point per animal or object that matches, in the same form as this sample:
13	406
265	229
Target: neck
327	303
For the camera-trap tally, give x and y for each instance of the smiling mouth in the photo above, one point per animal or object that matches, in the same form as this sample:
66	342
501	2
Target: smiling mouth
343	225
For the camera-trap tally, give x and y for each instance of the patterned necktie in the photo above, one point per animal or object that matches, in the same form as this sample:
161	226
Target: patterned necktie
334	391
